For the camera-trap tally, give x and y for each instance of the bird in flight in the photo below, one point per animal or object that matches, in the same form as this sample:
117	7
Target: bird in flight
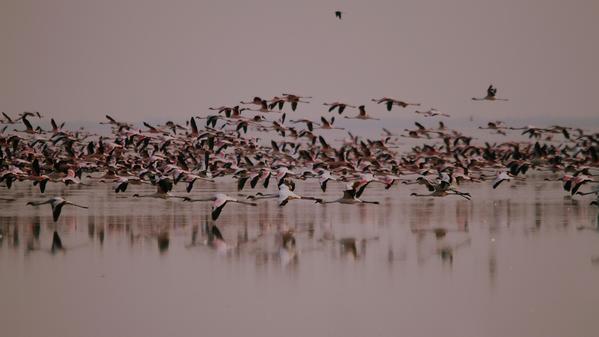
491	95
338	14
57	203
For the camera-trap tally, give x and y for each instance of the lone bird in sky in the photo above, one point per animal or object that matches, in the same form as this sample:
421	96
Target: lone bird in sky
338	14
491	95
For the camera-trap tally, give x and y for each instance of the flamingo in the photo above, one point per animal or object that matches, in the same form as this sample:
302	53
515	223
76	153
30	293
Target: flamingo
277	102
114	122
362	115
37	176
501	177
324	177
389	180
339	106
595	190
28	126
309	123
256	100
56	203
432	113
218	203
284	196
326	125
491	95
265	108
349	197
360	185
295	99
8	120
163	188
120	183
578	181
71	178
440	188
390	102
442	193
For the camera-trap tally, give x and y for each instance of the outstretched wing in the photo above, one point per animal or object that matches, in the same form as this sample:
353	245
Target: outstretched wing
56	211
27	124
216	211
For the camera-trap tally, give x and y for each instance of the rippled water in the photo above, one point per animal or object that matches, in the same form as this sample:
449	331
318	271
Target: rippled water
522	260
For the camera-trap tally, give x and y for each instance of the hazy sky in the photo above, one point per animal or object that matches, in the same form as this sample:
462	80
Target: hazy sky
79	59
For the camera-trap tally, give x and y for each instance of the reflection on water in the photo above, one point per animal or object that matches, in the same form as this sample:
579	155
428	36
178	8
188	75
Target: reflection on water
518	261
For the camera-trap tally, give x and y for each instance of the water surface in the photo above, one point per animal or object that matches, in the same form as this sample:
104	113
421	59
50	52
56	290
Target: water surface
522	260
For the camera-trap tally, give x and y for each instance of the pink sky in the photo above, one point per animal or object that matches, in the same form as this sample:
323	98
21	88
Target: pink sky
79	59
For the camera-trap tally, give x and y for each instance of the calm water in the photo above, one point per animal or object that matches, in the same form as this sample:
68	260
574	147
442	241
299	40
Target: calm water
514	262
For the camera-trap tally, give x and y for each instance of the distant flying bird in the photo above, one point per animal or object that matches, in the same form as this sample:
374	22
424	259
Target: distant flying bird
362	115
432	112
338	14
491	95
339	106
390	102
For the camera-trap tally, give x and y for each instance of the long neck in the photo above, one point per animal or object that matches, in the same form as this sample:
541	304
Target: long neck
37	203
203	199
243	202
154	195
265	196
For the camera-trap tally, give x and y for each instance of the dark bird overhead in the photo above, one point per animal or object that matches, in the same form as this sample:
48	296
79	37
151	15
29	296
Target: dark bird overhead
491	95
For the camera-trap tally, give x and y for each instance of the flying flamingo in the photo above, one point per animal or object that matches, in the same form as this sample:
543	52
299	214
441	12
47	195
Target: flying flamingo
390	102
326	125
284	196
362	115
218	203
37	176
71	178
432	113
502	176
491	95
57	203
349	197
324	177
294	99
339	106
163	188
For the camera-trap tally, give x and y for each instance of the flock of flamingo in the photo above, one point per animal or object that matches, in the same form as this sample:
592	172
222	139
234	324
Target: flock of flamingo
241	141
